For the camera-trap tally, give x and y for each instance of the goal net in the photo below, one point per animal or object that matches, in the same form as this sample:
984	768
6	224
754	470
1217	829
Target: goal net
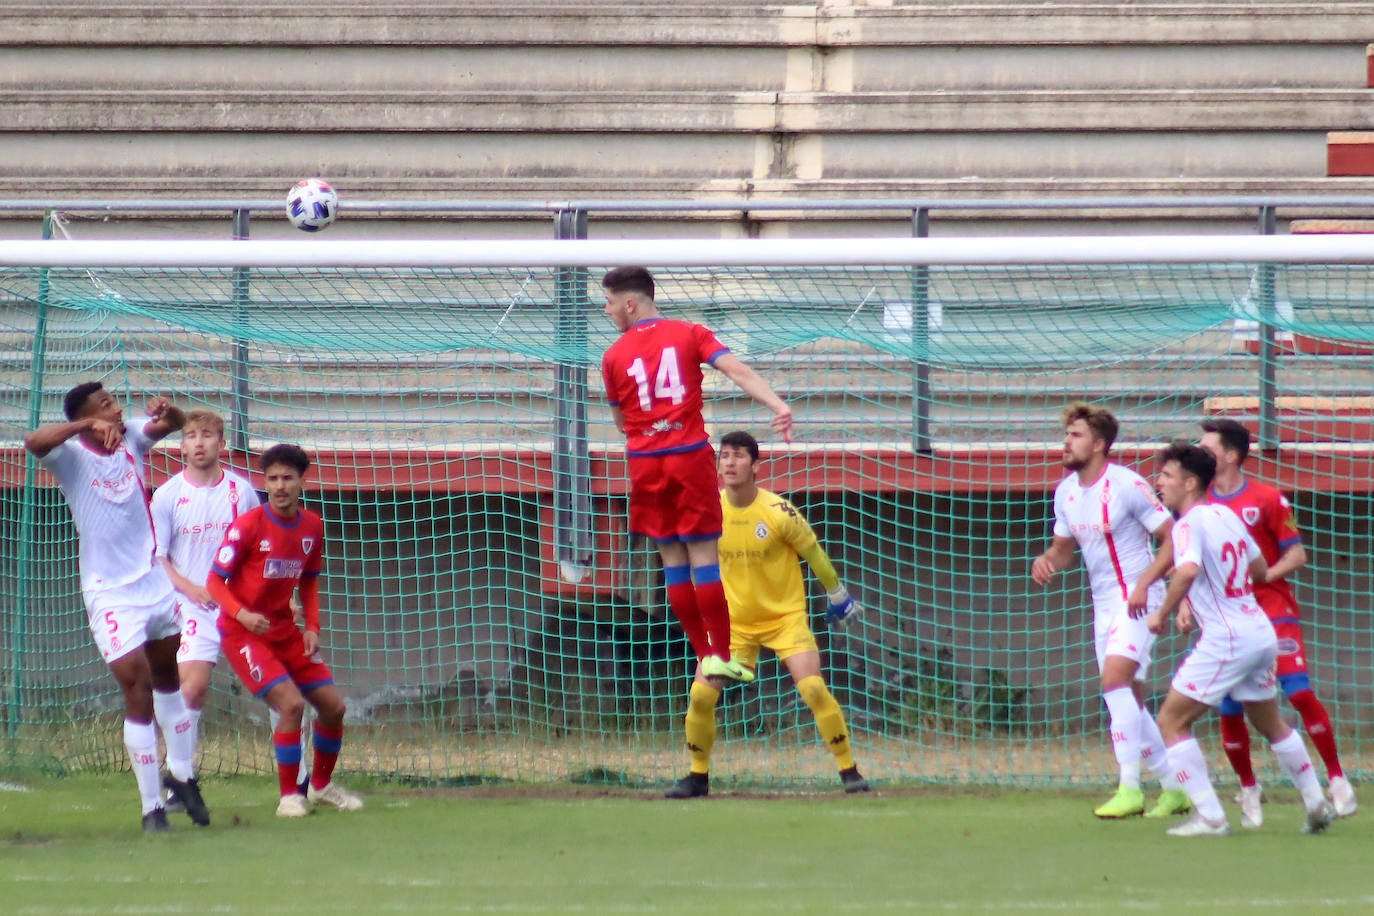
488	617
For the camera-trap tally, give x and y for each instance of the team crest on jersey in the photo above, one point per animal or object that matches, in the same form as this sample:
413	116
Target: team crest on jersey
225	556
761	531
307	543
1250	515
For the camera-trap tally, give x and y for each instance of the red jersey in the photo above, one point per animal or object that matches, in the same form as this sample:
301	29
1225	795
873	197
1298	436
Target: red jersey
1270	520
653	374
262	559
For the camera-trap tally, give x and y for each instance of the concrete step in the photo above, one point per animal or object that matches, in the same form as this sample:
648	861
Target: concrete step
84	22
598	67
354	160
638	111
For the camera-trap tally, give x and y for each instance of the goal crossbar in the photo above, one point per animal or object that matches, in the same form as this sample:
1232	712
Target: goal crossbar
1038	250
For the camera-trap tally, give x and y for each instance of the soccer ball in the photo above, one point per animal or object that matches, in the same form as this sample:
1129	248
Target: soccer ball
311	205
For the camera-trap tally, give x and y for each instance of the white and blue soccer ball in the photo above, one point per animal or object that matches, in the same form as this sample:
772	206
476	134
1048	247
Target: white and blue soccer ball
312	204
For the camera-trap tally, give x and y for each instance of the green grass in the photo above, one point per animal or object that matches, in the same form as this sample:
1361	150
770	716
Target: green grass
74	846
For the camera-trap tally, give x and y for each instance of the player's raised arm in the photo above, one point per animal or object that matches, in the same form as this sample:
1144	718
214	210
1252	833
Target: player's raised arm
164	418
46	438
752	384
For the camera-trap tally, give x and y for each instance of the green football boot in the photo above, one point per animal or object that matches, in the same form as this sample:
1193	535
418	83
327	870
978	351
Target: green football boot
1125	803
1171	802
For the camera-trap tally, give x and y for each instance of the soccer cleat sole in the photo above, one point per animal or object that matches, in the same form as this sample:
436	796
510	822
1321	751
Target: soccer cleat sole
714	666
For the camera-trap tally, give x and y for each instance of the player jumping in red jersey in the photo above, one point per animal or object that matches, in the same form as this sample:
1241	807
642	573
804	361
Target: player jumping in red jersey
653	375
267	553
1269	520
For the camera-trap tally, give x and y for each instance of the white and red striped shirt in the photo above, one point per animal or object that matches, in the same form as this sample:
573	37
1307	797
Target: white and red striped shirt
108	497
1112	520
191	521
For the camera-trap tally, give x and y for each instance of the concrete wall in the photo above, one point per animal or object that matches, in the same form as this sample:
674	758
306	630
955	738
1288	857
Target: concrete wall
575	100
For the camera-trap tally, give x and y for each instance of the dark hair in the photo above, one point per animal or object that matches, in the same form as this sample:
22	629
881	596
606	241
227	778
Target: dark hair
629	280
1232	433
1099	419
75	402
293	456
1193	459
740	439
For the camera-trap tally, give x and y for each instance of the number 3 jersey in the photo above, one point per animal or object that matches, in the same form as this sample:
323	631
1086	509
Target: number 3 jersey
653	374
263	557
191	521
1224	606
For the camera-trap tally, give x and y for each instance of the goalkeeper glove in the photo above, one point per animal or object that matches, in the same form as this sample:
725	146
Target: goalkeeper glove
842	610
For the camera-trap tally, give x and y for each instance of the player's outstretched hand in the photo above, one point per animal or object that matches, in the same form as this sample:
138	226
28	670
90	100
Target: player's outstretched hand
157	407
782	423
843	610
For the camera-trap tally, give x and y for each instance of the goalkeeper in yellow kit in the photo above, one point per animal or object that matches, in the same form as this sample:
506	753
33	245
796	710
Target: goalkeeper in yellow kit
764	538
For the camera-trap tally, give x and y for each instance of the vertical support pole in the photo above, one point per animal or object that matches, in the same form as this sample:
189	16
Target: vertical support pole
920	341
238	421
1268	314
573	523
28	509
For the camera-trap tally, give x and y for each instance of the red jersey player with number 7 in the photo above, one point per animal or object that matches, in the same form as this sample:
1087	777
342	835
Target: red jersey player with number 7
653	376
266	554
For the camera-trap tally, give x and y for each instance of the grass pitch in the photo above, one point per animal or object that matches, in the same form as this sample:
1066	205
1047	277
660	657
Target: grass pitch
74	846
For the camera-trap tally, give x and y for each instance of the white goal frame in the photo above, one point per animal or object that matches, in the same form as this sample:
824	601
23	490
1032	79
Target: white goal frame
859	252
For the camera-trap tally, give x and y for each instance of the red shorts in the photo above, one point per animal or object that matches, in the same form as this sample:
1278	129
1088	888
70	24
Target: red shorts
675	496
262	662
1292	653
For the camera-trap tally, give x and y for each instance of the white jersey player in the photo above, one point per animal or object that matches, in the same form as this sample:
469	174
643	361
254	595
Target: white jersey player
129	599
192	512
1215	562
1110	513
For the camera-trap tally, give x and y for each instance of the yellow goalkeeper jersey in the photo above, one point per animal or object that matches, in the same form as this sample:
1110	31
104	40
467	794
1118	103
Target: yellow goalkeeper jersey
759	558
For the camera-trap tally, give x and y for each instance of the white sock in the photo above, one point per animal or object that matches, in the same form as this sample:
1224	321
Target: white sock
140	740
178	732
1297	763
1190	772
195	715
1125	726
1152	751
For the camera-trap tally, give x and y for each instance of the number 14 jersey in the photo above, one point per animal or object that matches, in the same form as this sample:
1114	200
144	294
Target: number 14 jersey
653	374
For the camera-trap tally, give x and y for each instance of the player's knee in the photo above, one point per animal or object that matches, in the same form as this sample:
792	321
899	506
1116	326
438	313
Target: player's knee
291	710
195	693
1294	684
331	710
813	691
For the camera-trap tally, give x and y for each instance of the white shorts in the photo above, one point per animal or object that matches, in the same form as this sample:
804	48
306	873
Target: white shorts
124	618
199	632
1115	632
1243	668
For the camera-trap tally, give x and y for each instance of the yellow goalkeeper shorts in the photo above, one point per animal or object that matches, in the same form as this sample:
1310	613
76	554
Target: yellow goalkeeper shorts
787	636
